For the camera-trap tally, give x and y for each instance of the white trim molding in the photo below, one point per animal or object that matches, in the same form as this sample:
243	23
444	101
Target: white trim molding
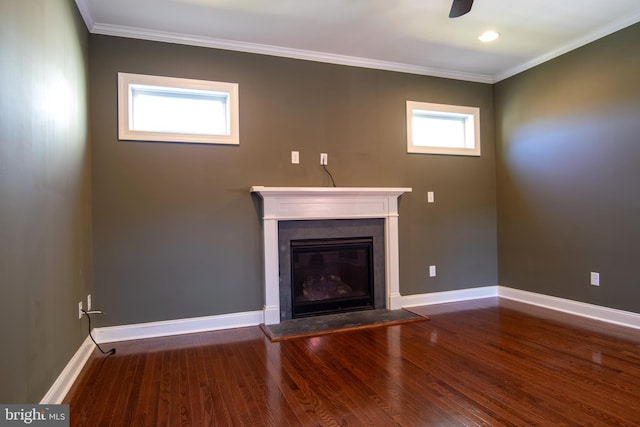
63	383
280	51
449	296
177	327
69	374
599	33
332	58
597	312
312	203
422	130
85	12
577	308
255	318
216	104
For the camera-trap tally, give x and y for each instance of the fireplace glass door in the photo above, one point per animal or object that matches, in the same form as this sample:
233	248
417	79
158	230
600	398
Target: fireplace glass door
331	275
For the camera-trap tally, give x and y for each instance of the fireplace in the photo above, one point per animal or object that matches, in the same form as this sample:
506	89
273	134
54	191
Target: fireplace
284	206
331	276
331	265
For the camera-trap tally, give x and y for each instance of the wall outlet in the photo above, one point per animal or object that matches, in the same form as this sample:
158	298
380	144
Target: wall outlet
595	278
295	157
323	159
432	271
80	310
430	197
89	305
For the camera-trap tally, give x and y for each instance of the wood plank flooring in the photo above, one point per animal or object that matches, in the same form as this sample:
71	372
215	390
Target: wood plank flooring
490	362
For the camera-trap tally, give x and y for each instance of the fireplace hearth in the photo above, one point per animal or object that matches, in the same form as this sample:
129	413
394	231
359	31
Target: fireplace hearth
331	276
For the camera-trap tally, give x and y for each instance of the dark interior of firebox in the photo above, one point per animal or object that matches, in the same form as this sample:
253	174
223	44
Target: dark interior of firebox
331	275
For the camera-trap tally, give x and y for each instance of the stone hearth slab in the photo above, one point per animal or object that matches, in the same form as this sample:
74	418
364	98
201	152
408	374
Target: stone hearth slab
342	322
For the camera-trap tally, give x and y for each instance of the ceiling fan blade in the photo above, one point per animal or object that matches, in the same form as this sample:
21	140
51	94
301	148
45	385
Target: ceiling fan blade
460	7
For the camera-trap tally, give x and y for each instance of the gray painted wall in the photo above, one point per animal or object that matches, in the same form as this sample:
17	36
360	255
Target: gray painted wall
177	235
45	196
568	170
176	232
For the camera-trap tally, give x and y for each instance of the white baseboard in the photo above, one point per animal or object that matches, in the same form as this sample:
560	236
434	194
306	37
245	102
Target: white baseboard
271	315
449	296
69	374
605	314
61	387
178	327
597	312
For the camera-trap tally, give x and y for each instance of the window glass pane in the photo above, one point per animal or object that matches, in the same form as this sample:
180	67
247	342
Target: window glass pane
172	109
443	129
438	131
179	111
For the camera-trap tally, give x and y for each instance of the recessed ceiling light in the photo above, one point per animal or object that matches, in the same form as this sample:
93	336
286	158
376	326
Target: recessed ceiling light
489	36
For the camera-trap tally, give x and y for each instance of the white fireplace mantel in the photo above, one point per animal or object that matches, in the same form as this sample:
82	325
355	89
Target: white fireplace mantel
310	203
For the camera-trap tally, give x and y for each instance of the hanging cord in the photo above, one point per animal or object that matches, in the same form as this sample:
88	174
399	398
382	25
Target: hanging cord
110	352
329	173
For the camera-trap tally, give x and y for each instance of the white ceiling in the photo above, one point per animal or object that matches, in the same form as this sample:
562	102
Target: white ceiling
413	36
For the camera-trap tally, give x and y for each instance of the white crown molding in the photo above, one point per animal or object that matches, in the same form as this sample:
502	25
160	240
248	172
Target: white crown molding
263	49
85	12
582	41
186	39
177	327
69	374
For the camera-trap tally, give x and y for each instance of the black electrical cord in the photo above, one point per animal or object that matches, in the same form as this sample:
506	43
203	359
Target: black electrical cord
110	352
329	173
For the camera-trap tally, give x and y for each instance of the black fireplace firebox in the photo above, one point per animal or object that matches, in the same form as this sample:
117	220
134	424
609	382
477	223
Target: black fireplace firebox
331	275
348	253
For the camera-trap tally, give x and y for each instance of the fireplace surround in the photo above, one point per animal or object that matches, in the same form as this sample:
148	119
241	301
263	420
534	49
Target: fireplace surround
340	262
326	203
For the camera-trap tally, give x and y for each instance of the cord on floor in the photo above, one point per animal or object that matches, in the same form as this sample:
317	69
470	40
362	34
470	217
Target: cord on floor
110	352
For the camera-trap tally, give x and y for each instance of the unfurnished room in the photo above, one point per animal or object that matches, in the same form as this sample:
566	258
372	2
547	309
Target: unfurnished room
319	213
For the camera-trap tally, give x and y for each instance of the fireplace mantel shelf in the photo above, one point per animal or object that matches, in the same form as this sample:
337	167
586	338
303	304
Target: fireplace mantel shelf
290	203
310	203
300	191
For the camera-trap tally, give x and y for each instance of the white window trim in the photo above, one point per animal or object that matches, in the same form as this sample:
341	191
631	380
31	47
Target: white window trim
125	80
472	112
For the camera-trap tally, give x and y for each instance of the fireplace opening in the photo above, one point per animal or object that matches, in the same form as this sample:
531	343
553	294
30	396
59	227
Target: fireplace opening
331	275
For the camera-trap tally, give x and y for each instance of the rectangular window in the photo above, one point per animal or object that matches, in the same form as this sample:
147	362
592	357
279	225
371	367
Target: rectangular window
443	129
154	108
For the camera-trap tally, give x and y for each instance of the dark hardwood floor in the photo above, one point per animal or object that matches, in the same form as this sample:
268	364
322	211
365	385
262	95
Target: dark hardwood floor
489	362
